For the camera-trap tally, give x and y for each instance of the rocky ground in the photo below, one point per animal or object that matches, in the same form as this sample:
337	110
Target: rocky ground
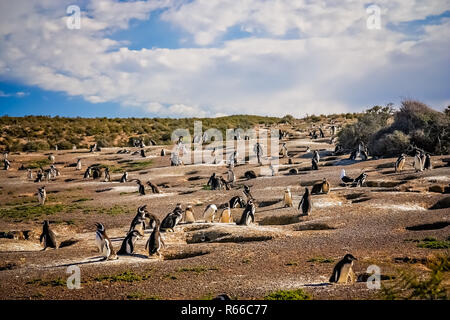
381	223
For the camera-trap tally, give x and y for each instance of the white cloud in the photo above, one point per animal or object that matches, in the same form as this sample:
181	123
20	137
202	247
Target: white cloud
334	65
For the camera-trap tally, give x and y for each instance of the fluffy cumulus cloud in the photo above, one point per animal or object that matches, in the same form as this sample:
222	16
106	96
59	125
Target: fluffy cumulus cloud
249	56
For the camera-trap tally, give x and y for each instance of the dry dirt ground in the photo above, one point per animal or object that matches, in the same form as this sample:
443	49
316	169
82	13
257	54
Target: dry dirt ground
201	260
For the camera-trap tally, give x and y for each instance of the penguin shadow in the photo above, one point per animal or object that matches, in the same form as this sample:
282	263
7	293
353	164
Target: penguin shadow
134	255
90	260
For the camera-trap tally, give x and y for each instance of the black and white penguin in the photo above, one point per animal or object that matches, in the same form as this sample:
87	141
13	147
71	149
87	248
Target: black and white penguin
344	178
163	152
418	164
248	216
237	201
107	175
314	164
209	213
360	180
39	176
51	158
29	174
354	154
363	154
78	166
247	193
143	153
42	195
96	173
124	177
155	241
129	242
343	270
141	187
154	187
222	297
400	163
427	163
316	156
138	222
305	204
214	182
6	164
88	173
104	244
48	237
224	183
172	219
231	177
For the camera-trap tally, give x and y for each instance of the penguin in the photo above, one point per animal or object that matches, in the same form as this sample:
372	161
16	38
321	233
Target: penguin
399	164
287	200
214	182
250	174
93	148
272	169
172	219
87	173
189	214
305	204
343	270
209	213
104	244
364	156
418	165
96	173
42	195
248	216
231	177
293	171
7	164
422	155
138	222
284	150
155	241
325	186
141	187
78	164
51	158
39	176
143	153
354	154
316	156
163	152
247	192
154	187
308	149
48	237
237	201
107	175
129	242
317	188
225	216
29	174
427	163
322	135
224	183
222	297
344	178
314	164
360	180
124	177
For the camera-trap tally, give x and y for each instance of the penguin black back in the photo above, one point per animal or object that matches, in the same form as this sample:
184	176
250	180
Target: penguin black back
48	238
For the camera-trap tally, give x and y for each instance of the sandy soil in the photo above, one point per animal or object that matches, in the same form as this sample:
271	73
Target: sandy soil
202	260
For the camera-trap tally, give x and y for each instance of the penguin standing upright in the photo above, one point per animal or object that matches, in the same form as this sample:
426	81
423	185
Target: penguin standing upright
88	173
155	241
225	216
141	187
418	165
42	195
29	174
39	176
360	180
343	270
104	244
129	242
400	163
237	201
48	237
124	177
316	156
325	186
78	164
427	163
248	193
210	212
7	164
248	216
231	177
107	175
314	164
287	200
305	204
189	214
143	153
138	222
163	152
51	158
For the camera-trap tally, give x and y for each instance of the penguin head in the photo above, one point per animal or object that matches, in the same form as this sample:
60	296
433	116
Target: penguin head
349	257
45	223
100	227
306	191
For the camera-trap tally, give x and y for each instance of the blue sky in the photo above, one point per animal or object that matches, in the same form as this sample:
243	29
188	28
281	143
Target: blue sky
174	58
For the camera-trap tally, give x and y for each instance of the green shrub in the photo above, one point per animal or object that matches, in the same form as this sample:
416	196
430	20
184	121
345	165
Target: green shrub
298	294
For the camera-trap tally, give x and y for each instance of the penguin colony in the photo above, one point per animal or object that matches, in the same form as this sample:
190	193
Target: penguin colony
342	272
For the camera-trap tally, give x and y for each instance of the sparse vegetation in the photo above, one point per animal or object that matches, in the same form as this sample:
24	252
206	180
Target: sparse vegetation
127	276
298	294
